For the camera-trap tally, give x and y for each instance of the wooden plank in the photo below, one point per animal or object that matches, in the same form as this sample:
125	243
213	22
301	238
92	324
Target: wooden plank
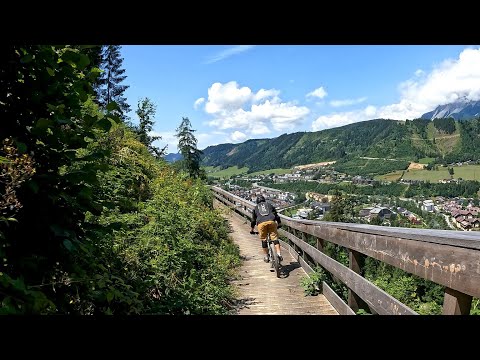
454	267
233	206
354	301
320	244
456	303
291	250
376	298
450	258
233	197
336	301
466	239
355	261
308	269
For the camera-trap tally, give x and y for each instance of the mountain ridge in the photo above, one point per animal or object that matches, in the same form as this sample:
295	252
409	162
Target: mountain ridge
462	109
442	133
446	140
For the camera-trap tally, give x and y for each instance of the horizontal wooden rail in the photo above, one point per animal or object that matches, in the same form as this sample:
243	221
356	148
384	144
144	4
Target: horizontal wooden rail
447	257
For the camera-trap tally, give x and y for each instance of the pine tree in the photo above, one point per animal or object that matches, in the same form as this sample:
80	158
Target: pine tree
94	54
146	110
108	87
187	144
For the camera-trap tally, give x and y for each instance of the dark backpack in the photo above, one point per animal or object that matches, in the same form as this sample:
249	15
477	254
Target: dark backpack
264	209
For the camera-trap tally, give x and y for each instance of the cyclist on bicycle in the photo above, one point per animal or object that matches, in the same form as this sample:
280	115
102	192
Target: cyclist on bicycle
266	218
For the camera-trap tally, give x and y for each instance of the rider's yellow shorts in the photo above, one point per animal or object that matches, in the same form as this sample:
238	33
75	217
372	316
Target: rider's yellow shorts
268	227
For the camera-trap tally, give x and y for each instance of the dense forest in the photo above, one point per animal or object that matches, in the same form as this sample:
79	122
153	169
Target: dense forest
369	167
92	219
446	140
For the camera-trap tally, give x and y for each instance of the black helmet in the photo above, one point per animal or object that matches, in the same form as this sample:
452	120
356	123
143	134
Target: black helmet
260	198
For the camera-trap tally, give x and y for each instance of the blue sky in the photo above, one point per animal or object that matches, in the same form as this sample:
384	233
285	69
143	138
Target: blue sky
233	93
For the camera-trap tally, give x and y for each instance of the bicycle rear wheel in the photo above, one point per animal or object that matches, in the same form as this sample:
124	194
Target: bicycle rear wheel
275	261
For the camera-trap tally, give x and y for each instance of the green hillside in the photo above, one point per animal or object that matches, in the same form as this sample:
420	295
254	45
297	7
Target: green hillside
444	140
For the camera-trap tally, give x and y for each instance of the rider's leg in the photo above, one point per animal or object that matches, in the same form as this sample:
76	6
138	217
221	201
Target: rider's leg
278	249
265	247
262	232
274	236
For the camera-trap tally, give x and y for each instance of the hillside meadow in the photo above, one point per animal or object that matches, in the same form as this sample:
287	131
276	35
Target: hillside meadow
217	172
465	172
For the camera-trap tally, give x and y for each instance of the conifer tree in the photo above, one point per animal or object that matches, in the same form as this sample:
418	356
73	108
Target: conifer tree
109	85
146	110
187	144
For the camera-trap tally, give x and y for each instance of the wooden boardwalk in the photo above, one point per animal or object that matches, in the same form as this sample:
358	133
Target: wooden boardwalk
260	291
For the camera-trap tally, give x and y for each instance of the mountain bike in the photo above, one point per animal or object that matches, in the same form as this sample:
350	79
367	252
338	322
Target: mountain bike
274	261
272	255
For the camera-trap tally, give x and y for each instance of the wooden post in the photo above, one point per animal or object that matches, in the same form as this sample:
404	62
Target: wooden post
287	229
320	244
456	303
304	239
355	262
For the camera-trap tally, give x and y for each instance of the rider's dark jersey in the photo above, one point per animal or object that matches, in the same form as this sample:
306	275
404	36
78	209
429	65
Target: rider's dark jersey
264	211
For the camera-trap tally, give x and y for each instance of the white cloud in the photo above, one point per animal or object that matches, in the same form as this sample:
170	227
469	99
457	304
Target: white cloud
168	138
370	111
225	98
203	139
347	102
320	93
260	129
451	80
281	115
419	72
238	136
206	139
235	107
343	118
198	102
228	52
265	94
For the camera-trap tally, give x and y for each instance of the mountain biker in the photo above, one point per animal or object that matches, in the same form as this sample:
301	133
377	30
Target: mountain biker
266	218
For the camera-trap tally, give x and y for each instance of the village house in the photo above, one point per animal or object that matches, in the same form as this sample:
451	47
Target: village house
365	212
360	180
428	205
381	212
320	206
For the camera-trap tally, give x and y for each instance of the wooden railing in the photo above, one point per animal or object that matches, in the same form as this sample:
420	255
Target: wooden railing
446	257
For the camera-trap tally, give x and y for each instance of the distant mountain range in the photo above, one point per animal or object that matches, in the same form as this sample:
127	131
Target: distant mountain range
448	138
459	110
172	157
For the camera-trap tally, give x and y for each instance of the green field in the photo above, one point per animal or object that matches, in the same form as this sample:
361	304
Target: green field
426	160
393	176
234	170
225	173
425	175
209	169
271	171
466	172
